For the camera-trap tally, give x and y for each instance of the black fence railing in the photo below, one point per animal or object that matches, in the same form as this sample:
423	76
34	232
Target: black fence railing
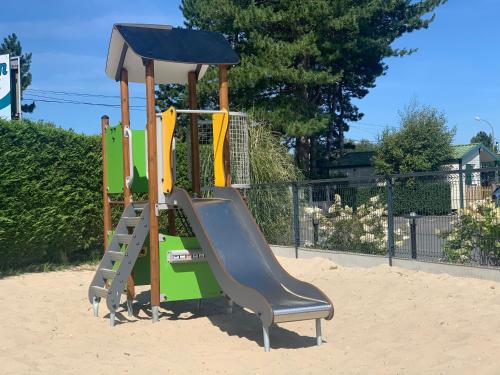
445	216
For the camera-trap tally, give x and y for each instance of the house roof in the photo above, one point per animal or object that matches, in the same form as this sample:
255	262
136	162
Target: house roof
461	152
355	159
175	52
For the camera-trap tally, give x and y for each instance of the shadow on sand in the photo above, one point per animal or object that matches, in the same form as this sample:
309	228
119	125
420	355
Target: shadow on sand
239	323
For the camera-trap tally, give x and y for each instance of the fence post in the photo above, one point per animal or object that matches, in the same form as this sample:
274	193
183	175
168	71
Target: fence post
461	187
296	223
390	218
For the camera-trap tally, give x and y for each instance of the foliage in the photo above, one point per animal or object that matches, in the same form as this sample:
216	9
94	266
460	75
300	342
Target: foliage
182	179
302	62
484	138
50	194
12	46
271	206
343	228
419	196
422	143
422	197
269	158
475	234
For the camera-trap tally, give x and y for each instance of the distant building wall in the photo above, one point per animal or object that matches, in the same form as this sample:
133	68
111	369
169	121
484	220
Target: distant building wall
354	172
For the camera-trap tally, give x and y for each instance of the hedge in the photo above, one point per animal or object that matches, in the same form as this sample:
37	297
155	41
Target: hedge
50	194
424	198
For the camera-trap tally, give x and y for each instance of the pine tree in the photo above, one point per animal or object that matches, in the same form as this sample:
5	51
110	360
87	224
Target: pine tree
484	138
12	46
303	62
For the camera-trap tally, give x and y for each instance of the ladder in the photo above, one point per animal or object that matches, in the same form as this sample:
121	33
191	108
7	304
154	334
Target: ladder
110	279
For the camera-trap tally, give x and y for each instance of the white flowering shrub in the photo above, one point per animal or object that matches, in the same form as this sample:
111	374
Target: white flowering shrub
361	230
475	233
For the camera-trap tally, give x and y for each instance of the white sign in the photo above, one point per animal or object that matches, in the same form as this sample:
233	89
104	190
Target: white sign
5	92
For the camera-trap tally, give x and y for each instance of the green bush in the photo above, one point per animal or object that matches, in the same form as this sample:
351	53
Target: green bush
50	194
272	206
474	234
424	198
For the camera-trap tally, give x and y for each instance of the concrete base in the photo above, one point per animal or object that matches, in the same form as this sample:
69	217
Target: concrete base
345	259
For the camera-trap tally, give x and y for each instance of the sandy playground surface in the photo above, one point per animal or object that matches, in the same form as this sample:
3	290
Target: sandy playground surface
388	321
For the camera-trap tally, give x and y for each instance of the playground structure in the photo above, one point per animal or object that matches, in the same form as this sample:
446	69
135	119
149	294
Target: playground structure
224	253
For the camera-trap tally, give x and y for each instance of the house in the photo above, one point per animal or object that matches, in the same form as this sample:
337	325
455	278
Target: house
473	156
465	187
471	186
470	156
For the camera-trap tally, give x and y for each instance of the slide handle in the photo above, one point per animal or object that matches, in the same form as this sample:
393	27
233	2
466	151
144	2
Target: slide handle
168	119
220	123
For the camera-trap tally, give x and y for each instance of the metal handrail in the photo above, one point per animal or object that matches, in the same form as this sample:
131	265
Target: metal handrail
206	112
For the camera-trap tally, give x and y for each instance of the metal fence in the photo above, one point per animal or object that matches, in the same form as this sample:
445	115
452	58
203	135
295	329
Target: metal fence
446	216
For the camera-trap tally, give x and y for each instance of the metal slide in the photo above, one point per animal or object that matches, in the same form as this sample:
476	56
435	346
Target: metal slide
243	262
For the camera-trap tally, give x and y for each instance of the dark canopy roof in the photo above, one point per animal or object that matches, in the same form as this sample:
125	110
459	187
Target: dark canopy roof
175	52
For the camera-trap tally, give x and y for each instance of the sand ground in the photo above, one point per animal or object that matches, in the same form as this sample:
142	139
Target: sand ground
388	321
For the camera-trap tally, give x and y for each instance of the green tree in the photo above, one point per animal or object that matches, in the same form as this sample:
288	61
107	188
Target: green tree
302	62
422	143
484	138
12	46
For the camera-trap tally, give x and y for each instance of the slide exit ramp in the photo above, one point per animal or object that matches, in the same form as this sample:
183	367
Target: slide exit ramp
244	264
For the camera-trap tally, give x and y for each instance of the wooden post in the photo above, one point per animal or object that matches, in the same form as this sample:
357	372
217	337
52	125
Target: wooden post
127	195
152	187
224	104
125	109
106	207
195	146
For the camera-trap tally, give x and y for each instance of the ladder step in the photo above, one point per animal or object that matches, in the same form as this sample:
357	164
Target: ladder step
108	274
115	256
123	238
131	221
139	206
99	292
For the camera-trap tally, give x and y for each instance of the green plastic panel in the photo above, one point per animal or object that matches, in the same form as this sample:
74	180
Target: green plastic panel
183	281
140	182
141	267
114	158
179	281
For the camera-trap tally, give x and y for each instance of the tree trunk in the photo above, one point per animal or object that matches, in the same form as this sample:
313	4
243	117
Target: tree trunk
298	152
330	138
341	122
313	164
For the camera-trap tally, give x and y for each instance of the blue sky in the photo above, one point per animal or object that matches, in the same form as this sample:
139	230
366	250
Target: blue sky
456	68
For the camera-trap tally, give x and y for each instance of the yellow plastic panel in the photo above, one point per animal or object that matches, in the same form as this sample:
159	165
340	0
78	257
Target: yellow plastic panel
220	123
168	119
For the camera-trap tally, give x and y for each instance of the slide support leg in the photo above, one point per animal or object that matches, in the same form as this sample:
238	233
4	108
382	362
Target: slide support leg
156	314
265	331
95	306
112	319
130	311
229	306
319	338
